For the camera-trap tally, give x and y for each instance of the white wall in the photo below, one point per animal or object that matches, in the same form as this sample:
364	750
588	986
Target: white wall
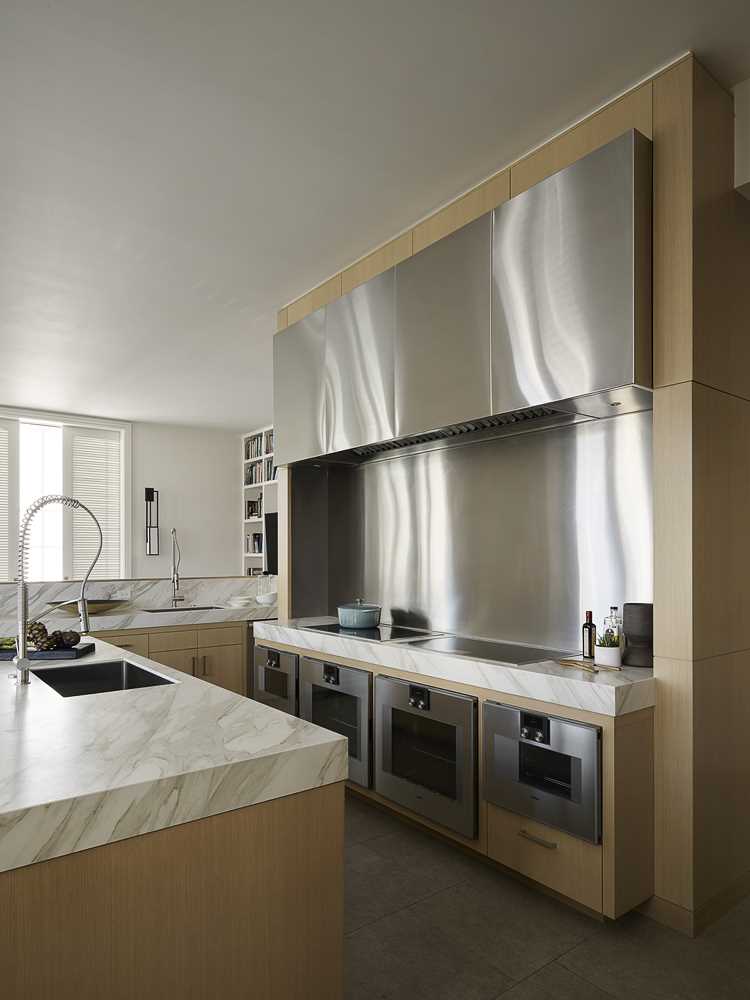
197	474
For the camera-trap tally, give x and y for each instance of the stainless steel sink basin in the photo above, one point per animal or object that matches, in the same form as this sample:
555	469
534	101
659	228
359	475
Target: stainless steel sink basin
95	678
183	607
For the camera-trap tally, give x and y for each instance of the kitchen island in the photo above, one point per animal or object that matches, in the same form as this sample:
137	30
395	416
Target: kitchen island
166	841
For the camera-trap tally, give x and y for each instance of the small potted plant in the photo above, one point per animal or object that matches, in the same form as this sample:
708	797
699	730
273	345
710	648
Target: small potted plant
607	652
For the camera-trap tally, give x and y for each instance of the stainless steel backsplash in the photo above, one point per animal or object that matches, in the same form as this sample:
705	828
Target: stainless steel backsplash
510	539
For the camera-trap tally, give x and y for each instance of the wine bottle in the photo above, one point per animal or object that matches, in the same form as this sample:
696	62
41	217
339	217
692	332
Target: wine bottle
589	636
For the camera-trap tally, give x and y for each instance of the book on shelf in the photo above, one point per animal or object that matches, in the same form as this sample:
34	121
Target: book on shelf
254	473
253	446
253	508
268	443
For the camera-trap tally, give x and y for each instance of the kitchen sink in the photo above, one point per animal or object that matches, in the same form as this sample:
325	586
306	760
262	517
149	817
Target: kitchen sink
183	607
96	678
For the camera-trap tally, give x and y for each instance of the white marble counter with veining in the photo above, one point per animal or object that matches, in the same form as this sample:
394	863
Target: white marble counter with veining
135	597
606	693
84	771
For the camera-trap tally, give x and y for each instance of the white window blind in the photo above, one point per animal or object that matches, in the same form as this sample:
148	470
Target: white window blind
4	504
8	498
96	480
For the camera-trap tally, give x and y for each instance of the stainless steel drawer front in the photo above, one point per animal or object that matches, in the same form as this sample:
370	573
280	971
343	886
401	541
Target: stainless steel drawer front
340	699
556	782
442	355
298	389
276	679
359	365
425	752
569	308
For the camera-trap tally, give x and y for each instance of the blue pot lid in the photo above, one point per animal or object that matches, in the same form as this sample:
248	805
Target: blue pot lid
359	605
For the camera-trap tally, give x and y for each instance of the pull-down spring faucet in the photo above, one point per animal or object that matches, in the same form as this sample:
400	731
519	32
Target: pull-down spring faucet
21	660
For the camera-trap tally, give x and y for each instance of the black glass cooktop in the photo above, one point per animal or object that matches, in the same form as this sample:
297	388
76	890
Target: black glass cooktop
382	633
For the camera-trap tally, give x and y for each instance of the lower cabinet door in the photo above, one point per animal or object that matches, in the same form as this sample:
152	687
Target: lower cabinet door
132	643
179	659
567	864
222	665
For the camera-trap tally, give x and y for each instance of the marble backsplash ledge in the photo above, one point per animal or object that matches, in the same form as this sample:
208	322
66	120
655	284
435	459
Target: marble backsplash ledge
136	594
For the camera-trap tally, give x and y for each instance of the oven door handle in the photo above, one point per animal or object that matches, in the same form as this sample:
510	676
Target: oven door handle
550	845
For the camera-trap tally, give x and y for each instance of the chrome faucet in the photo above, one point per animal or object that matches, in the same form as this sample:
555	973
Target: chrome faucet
176	560
21	660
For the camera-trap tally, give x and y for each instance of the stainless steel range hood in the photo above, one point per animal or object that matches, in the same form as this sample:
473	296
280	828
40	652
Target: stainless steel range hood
535	314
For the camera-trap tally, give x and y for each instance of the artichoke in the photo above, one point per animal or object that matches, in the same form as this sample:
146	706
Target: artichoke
70	638
36	633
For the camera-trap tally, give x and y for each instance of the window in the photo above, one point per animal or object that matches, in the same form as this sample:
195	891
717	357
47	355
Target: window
91	463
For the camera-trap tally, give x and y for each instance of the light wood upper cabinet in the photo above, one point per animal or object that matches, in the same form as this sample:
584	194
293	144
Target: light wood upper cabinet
377	262
315	299
481	200
631	111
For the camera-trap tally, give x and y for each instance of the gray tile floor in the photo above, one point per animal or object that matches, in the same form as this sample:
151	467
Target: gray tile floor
426	922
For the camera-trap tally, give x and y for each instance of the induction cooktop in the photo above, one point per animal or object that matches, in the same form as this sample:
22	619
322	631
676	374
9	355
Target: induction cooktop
486	649
381	633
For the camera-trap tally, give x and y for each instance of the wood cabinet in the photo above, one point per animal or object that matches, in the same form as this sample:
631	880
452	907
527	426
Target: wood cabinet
133	642
178	659
569	865
214	653
222	665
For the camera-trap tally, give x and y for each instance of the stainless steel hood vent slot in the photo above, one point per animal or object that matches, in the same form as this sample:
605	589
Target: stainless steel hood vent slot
532	413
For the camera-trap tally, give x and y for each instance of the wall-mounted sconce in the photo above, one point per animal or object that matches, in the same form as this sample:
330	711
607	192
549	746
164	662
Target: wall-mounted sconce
152	521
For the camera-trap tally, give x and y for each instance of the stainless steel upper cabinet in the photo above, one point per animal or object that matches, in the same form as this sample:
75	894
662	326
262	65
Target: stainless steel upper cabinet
571	280
359	365
298	380
443	331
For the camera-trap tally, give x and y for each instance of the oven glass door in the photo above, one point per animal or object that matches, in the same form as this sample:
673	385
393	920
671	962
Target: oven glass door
338	711
425	750
276	679
340	699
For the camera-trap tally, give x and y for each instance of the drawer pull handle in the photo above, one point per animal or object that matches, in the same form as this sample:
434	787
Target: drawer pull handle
549	844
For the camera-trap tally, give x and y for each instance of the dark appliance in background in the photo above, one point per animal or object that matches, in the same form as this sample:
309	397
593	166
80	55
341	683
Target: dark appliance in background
426	752
638	626
340	699
275	678
271	524
546	768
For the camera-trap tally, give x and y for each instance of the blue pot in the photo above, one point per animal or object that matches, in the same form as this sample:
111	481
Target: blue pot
359	615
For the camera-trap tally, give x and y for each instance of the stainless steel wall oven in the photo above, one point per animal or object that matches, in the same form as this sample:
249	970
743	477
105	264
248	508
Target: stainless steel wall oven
275	680
340	698
546	768
426	752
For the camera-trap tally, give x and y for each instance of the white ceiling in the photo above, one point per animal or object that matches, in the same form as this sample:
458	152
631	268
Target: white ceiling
174	170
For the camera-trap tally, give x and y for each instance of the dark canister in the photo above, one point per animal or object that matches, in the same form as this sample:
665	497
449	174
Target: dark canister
638	626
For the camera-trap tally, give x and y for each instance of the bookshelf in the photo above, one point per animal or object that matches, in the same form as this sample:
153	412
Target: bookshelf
259	497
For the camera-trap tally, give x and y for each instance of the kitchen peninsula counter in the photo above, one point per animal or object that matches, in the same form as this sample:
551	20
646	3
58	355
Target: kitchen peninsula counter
80	772
610	693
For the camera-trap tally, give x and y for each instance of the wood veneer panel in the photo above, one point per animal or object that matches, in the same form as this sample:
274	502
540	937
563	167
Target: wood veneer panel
721	347
721	753
673	782
283	499
313	300
376	262
673	521
247	903
481	199
673	225
721	501
633	110
282	321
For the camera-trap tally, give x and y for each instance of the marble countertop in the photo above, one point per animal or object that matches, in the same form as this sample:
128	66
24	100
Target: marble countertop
80	772
606	693
131	617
